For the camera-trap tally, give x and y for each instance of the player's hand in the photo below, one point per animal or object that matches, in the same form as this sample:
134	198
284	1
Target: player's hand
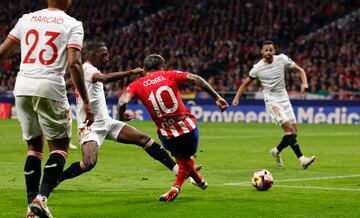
138	70
129	116
303	90
222	104
89	115
235	102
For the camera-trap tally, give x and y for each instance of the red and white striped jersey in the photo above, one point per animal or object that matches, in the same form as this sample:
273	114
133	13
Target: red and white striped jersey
160	94
44	37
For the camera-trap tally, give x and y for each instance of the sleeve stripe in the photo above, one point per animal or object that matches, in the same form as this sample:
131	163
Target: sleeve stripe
74	46
13	38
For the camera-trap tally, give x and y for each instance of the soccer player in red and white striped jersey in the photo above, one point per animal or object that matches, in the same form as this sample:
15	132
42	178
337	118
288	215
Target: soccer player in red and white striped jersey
177	129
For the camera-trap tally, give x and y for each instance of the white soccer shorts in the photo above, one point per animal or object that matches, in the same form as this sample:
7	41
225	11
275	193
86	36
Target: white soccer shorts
280	111
39	115
99	131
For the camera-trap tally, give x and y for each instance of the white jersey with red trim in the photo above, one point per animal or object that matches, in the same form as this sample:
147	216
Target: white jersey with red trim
272	76
97	99
44	37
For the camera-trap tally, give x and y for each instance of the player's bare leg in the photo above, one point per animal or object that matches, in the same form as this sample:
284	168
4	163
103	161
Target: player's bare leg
89	159
130	135
52	172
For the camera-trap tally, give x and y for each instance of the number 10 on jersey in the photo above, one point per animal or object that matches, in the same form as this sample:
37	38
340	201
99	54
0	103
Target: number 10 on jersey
158	102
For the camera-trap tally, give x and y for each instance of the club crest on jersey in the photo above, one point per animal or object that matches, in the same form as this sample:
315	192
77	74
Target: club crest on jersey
153	81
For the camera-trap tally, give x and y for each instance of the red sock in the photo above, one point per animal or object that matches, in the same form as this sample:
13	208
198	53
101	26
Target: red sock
184	170
193	173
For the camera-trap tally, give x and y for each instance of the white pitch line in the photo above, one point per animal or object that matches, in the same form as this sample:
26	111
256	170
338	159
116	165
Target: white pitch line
298	180
271	135
316	187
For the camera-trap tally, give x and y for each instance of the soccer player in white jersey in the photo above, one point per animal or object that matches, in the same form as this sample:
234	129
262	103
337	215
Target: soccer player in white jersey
50	40
270	71
104	127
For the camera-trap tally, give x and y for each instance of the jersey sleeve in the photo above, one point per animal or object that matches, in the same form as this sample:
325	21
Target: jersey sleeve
287	61
15	33
76	36
253	73
179	76
89	72
131	89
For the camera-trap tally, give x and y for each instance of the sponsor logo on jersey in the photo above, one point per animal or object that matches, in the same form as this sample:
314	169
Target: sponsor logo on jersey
153	81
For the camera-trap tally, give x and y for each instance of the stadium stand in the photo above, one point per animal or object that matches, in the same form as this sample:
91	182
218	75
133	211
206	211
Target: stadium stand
218	39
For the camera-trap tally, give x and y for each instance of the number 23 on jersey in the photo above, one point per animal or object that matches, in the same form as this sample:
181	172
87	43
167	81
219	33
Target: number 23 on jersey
34	34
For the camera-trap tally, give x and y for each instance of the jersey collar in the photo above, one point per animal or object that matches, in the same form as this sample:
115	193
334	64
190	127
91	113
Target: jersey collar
54	9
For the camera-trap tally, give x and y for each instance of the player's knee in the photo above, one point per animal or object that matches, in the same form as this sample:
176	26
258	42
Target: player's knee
145	141
288	128
293	130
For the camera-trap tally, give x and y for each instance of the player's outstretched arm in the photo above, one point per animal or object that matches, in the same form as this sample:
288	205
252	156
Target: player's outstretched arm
123	101
77	76
303	78
69	83
199	81
6	48
240	91
116	75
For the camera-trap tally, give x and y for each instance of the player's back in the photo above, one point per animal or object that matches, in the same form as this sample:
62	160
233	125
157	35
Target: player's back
160	94
44	37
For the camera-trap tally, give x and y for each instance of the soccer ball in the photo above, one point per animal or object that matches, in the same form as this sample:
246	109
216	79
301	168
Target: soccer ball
262	180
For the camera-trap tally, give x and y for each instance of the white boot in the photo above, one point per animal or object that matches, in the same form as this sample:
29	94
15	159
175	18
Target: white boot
276	155
307	161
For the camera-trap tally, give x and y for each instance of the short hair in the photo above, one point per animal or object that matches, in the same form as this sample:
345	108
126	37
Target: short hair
93	46
153	62
268	42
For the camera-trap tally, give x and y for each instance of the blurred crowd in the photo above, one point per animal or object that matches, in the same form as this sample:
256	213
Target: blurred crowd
219	40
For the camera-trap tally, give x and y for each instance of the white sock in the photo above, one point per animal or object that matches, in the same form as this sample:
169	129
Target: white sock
275	148
175	170
302	158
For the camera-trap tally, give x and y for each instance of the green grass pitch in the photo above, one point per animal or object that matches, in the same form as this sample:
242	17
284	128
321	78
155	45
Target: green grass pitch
127	183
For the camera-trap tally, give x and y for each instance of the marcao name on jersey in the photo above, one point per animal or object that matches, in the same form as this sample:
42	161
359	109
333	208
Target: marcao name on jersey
153	81
43	19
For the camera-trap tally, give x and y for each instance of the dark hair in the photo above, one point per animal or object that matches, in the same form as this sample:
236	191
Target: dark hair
268	42
153	62
93	46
